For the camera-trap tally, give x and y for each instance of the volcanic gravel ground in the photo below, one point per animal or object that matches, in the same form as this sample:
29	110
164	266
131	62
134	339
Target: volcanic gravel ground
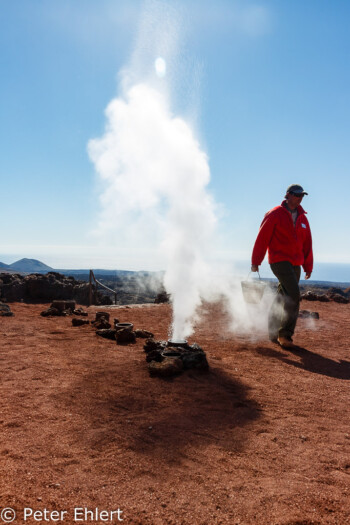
262	438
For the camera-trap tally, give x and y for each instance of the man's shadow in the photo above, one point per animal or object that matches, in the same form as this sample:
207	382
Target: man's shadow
311	362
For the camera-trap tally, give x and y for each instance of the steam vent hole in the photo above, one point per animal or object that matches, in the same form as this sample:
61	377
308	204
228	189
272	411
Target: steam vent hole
169	358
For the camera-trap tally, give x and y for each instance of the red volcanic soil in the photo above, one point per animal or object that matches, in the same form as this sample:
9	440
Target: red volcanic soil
262	438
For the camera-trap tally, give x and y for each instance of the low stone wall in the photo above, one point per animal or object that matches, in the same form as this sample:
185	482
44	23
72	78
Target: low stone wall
45	288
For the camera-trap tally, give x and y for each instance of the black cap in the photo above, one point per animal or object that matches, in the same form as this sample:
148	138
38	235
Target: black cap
296	188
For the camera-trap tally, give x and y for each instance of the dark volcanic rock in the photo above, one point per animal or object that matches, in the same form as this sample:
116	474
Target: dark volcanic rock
5	310
107	333
102	324
195	359
162	297
336	290
323	298
191	356
12	287
338	298
125	336
70	305
99	315
76	321
170	366
332	295
152	345
101	321
50	311
311	296
143	334
306	314
59	308
63	306
154	350
80	311
154	355
46	287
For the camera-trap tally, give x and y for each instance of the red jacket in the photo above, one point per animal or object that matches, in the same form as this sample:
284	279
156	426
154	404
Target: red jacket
283	240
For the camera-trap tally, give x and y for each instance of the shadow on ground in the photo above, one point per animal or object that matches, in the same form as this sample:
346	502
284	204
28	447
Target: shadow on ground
161	417
310	361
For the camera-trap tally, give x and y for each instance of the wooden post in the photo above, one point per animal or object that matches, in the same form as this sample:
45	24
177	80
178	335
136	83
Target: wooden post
93	289
90	288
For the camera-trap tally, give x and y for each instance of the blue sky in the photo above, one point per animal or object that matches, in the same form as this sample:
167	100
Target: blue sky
265	85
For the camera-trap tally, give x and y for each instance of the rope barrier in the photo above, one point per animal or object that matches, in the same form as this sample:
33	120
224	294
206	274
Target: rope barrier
92	277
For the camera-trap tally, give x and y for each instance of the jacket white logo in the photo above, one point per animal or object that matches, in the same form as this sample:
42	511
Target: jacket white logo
303	225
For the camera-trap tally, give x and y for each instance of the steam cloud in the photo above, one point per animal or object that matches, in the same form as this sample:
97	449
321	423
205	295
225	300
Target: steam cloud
155	176
150	159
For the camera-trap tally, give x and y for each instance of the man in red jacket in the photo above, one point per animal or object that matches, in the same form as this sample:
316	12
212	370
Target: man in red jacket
285	233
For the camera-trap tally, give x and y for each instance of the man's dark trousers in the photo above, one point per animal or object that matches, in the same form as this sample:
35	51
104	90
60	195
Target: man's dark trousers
284	310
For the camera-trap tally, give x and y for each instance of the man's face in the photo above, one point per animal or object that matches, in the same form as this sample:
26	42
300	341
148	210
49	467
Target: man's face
293	200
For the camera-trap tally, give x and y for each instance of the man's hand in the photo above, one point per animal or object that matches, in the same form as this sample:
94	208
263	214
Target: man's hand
255	268
307	275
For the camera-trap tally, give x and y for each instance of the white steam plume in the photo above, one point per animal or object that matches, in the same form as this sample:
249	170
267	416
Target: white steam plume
152	168
155	179
151	160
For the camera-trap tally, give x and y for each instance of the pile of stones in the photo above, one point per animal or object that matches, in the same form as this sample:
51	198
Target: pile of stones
46	287
325	298
5	310
306	314
63	308
165	360
122	333
338	298
312	296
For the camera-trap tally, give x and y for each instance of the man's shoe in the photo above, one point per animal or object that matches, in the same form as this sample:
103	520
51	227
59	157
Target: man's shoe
273	339
286	343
